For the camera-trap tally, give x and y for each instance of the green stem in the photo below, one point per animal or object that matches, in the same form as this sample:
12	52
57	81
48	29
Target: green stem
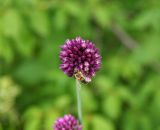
78	88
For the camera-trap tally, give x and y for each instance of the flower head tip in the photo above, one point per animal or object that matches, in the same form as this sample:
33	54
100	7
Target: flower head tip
68	122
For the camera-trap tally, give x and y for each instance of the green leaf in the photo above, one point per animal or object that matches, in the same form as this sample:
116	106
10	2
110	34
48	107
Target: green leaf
129	121
60	20
5	4
32	119
148	18
104	85
6	51
100	123
131	70
12	23
148	53
40	22
102	16
1	127
25	44
145	123
50	117
115	65
148	89
73	8
62	102
112	106
30	72
88	100
86	121
125	94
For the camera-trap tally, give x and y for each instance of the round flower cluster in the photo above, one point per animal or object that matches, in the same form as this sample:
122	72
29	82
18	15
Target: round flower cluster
81	55
68	122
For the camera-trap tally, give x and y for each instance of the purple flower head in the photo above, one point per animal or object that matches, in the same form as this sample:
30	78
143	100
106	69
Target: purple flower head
80	55
68	122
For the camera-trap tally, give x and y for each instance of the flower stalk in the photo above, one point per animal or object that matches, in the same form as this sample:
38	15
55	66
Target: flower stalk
78	90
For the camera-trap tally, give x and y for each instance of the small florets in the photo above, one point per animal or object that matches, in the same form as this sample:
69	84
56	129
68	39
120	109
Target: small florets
68	122
82	55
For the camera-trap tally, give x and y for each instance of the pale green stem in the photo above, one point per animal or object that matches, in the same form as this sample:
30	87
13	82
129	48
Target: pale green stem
78	89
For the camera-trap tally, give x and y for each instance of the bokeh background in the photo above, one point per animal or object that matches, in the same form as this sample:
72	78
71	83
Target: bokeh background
124	95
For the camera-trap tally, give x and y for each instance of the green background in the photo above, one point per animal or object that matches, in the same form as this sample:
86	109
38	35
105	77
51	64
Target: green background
124	94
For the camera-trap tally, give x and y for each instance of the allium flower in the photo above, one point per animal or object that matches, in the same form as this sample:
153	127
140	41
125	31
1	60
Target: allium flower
81	55
68	122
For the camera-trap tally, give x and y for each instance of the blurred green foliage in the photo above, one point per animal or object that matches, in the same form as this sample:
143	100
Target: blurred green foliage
124	95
